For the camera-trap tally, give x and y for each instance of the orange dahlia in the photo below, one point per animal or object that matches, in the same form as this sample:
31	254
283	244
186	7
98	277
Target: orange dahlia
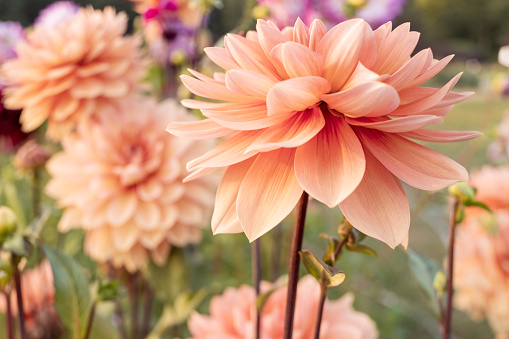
70	72
119	177
329	113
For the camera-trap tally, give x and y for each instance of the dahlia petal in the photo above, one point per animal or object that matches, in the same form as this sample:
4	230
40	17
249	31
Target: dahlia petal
199	173
342	48
250	83
198	130
148	215
71	218
252	35
297	60
213	90
415	164
441	135
87	88
268	193
287	32
368	99
269	36
115	88
301	33
150	240
406	75
403	124
125	237
427	101
227	153
91	69
395	49
317	30
34	116
221	57
378	207
451	99
149	190
249	54
431	72
330	166
203	77
169	216
224	218
121	209
296	94
189	213
293	132
65	105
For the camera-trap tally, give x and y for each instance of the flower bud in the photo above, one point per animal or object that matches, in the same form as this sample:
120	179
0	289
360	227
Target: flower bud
31	156
8	222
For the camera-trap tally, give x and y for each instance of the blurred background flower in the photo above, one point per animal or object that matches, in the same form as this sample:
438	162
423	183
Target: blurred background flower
232	315
56	13
120	179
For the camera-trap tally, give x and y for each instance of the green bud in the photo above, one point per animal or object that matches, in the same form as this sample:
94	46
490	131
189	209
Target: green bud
463	192
439	283
8	222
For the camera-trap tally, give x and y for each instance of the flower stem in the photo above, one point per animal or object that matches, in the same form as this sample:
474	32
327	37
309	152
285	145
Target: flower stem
147	309
19	298
118	316
446	323
323	296
293	273
257	274
90	322
132	287
8	316
36	194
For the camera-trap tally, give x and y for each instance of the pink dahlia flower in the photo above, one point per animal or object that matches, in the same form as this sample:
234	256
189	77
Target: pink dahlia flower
481	266
120	179
56	13
232	315
68	73
41	318
329	113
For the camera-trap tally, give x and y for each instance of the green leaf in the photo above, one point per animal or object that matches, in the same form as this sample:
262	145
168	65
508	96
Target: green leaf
361	249
424	270
177	313
14	202
333	276
333	243
478	204
17	244
72	295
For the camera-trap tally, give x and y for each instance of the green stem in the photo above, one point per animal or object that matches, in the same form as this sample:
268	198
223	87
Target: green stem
90	322
19	298
293	273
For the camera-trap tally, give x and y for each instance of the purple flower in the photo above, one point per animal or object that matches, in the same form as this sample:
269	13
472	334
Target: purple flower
10	33
56	13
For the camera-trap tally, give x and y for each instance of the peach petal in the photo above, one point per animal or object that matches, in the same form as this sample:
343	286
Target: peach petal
224	218
169	216
441	136
121	209
249	54
296	94
148	215
293	132
367	99
330	166
115	88
406	75
378	207
189	213
227	153
87	88
301	33
268	193
213	90
71	218
342	48
221	57
316	32
150	240
403	124
65	105
125	237
199	173
431	72
249	82
416	165
149	190
297	60
198	130
269	36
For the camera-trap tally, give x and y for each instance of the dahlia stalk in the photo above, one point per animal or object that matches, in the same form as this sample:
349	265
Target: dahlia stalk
328	113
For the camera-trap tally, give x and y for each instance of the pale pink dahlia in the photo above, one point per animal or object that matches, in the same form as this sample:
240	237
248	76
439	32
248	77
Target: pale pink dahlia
329	113
68	73
120	179
232	315
481	263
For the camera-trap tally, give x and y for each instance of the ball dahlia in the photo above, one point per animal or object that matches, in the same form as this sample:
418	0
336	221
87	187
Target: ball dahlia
329	113
232	315
120	179
68	73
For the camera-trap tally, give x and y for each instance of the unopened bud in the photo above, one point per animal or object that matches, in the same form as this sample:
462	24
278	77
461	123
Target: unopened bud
8	222
31	155
439	283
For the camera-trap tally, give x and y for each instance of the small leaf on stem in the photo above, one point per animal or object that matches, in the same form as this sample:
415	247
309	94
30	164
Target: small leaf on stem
333	276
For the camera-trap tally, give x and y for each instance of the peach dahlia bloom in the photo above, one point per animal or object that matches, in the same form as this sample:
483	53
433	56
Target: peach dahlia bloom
69	72
481	266
329	113
120	179
232	315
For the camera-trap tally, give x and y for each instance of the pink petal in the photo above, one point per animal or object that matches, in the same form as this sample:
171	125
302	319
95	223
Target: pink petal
342	48
297	60
405	76
228	152
368	99
250	83
404	124
268	193
122	208
431	72
269	36
296	94
293	132
214	91
415	164
224	218
199	173
316	32
441	136
330	166
221	57
245	118
148	215
378	207
198	130
301	33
